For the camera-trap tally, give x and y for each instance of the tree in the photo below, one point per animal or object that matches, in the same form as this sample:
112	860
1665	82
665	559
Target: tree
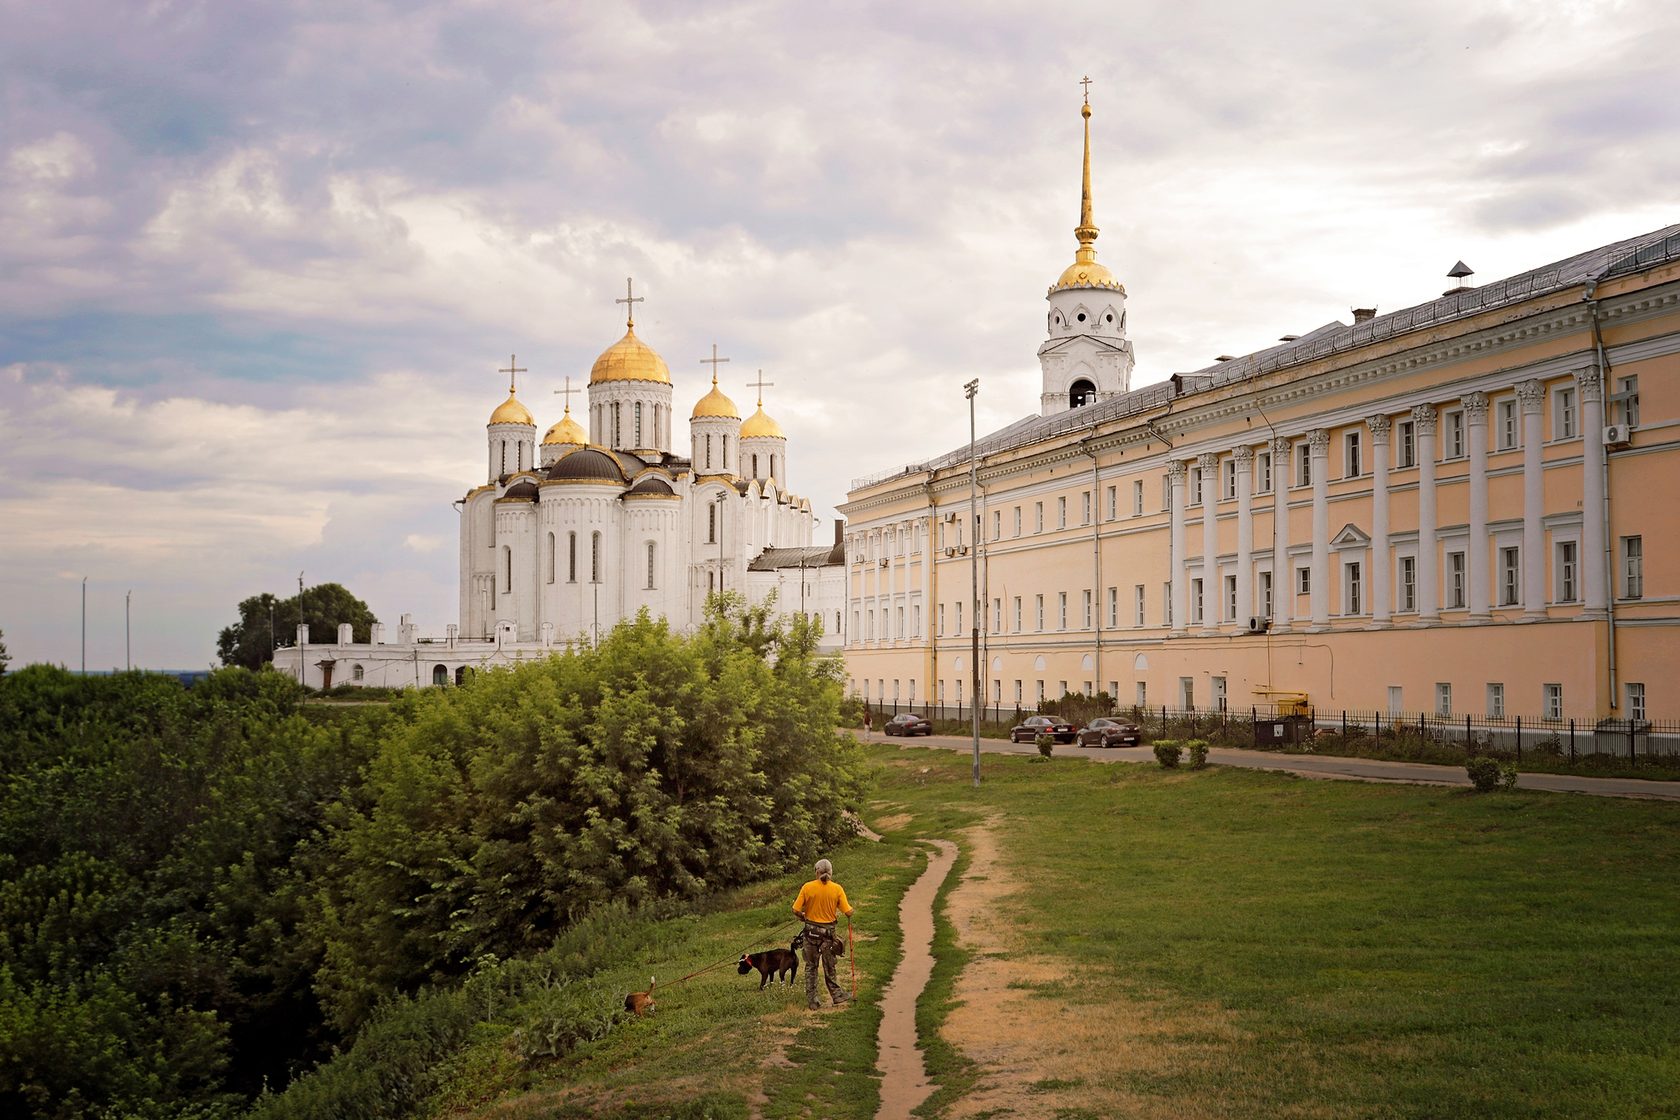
263	619
5	657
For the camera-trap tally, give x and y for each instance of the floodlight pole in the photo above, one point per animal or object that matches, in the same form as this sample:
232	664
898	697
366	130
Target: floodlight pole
128	630
84	625
974	571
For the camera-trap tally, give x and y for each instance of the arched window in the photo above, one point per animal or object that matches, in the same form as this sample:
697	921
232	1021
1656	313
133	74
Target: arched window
461	674
507	568
440	675
639	442
550	565
772	466
755	465
650	559
356	672
504	458
571	557
615	425
1081	393
595	558
708	451
725	452
711	523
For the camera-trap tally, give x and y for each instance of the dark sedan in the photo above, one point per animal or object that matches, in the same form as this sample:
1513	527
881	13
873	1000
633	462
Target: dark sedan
1110	733
907	724
1032	727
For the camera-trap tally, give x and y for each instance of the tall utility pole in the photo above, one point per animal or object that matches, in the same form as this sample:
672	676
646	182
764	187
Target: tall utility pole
970	389
301	642
84	626
128	630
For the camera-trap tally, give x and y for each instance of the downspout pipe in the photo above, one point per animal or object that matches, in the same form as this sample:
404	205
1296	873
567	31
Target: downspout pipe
1096	558
1609	541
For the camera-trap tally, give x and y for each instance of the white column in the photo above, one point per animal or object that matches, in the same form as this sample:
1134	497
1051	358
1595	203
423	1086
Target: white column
1429	587
1531	397
1212	606
1382	608
1475	416
1283	588
1243	463
1318	450
1593	567
1180	587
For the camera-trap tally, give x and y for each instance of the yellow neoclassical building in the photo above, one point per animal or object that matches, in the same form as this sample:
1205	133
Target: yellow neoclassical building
1465	507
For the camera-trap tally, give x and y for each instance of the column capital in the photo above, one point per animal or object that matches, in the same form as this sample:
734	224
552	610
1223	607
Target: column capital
1278	446
1531	395
1243	457
1591	383
1208	461
1475	407
1319	441
1379	426
1176	470
1425	416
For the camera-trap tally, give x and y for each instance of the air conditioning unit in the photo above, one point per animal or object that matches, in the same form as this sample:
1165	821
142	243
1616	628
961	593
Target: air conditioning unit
885	562
1617	435
1258	625
950	552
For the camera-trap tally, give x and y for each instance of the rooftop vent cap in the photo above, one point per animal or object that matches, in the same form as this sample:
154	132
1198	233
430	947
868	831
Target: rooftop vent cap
1364	314
1459	273
1288	337
1225	358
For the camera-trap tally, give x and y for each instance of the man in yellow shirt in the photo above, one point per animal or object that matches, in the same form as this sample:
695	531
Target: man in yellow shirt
819	903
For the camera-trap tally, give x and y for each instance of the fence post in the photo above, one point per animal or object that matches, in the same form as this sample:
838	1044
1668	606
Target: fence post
1633	757
1344	723
1376	725
1572	740
1519	738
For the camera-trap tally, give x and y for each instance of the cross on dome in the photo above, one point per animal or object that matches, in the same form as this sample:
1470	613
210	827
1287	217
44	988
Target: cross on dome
567	393
714	361
761	385
513	368
630	300
1086	82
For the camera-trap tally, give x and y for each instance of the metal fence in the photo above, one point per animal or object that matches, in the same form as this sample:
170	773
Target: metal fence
1517	736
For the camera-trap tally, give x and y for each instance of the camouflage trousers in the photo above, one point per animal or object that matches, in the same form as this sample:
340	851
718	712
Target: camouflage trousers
822	945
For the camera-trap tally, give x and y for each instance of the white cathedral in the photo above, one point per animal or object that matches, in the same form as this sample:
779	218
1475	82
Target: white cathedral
565	538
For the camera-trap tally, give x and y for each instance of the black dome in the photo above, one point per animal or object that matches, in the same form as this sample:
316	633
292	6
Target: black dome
524	488
586	464
653	484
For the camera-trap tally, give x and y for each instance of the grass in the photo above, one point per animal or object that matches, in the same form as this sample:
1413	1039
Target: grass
1362	950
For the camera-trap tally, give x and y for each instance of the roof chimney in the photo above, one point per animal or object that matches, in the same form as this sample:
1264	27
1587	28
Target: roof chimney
1288	337
1225	358
1459	272
839	530
1364	314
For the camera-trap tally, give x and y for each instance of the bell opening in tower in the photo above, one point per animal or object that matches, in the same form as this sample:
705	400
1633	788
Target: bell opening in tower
1082	393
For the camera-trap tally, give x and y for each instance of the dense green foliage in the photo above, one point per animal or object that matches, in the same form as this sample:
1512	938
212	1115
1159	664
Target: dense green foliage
203	892
5	655
266	621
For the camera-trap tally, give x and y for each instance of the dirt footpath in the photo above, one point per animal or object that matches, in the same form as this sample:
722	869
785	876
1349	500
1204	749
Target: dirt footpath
904	1083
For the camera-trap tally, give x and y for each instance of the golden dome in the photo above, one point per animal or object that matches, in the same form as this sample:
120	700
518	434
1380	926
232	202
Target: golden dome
1087	274
566	431
715	403
511	411
759	425
629	359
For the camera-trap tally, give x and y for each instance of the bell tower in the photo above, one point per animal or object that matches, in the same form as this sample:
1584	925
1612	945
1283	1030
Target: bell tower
1087	357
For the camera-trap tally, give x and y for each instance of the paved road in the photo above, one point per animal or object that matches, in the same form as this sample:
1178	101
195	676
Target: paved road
1326	766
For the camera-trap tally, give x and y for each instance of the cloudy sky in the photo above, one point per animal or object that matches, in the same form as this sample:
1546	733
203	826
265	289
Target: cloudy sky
259	262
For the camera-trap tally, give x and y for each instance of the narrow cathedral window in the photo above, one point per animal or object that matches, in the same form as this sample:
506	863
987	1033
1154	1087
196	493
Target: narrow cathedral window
755	466
551	558
595	558
571	557
711	524
650	558
615	425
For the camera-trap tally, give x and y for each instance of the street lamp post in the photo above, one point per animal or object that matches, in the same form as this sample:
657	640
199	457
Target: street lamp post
128	630
301	642
969	390
84	625
721	508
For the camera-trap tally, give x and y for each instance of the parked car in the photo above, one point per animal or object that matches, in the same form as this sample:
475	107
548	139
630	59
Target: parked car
907	724
1110	733
1033	726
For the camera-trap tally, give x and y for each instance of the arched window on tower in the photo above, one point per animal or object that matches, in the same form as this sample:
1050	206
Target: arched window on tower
755	465
772	466
639	442
708	451
504	458
507	568
616	430
571	557
1081	393
711	523
595	558
725	452
550	565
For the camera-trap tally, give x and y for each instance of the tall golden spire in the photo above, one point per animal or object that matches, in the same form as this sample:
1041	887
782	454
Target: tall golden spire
1085	272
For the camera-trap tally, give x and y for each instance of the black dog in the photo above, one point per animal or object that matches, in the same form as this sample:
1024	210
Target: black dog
780	963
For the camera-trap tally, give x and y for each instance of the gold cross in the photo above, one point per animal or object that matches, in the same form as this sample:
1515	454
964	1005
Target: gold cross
1086	82
714	361
513	368
567	393
760	385
630	300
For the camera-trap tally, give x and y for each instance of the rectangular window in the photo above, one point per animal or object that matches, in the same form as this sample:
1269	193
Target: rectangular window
1230	598
1303	581
1137	603
1017	521
1017	614
916	620
1265	594
1038	517
957	607
1633	567
1166	603
1510	576
1563	413
1196	600
1495	701
997	524
1085	507
1166	492
1553	696
1455	580
1113	608
1038	687
1089	620
1505	423
1635	700
940	618
1350	456
1017	693
1395	700
898	631
1195	486
1137	498
1263	473
1113	502
1303	464
1453	444
1626	401
1567	552
1061	610
1353	588
1040	606
1408	583
1443	699
1142	694
1187	693
1228	479
1061	513
1405	443
997	616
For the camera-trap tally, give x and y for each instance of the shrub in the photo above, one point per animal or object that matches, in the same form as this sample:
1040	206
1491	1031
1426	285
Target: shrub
1198	749
1488	774
1045	745
1167	753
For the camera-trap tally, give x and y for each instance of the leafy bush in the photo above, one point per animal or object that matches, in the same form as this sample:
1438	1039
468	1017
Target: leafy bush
1198	749
1045	745
1167	753
1079	709
1488	774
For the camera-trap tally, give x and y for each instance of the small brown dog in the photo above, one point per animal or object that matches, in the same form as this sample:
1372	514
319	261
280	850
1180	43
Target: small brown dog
780	964
640	1003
